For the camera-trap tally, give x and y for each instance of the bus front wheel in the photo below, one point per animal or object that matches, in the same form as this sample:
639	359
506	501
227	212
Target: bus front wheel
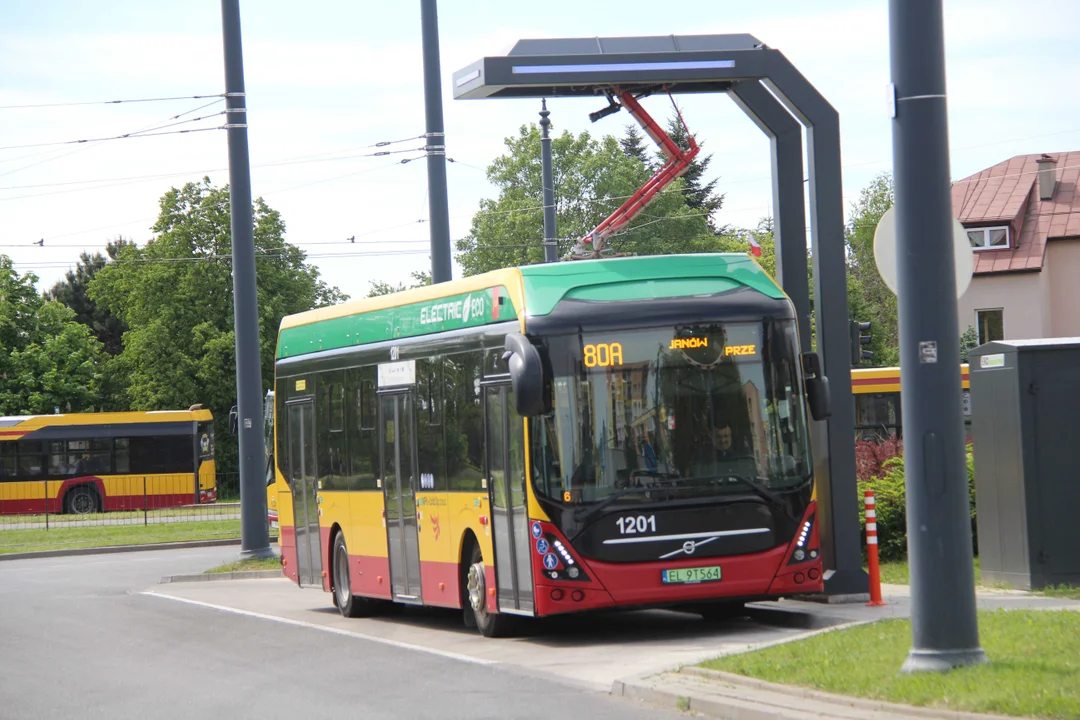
351	606
82	500
489	624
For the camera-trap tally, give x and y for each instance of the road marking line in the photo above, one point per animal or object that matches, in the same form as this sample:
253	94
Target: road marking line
324	628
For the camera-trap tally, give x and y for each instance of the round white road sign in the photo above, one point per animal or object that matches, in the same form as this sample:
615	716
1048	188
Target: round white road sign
885	252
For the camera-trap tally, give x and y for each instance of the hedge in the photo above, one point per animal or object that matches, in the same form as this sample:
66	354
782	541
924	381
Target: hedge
886	479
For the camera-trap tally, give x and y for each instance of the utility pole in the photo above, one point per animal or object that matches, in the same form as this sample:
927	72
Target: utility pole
944	624
438	209
551	246
254	533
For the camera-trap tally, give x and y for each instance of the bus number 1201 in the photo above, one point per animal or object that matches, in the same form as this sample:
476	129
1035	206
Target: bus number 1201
633	525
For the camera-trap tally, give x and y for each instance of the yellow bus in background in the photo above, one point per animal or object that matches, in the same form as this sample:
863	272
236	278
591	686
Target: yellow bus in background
85	463
877	402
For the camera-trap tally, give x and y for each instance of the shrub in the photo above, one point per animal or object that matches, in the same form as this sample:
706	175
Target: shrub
870	456
890	500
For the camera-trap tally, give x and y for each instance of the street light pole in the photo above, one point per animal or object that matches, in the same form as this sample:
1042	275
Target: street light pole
551	246
944	623
438	208
254	533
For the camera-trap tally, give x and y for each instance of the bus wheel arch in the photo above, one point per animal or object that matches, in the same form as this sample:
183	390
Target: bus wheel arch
490	624
350	606
82	499
331	546
465	554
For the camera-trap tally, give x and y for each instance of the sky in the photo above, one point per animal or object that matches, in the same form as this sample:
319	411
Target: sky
327	79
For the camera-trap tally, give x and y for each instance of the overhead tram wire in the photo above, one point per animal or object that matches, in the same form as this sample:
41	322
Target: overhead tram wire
157	125
119	181
110	102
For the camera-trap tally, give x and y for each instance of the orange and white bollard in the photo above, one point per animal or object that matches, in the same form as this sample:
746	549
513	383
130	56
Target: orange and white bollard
872	550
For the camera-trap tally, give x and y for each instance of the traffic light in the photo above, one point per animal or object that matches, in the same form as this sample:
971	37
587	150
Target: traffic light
858	355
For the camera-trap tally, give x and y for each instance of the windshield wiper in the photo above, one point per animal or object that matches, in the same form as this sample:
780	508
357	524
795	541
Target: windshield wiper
586	510
759	489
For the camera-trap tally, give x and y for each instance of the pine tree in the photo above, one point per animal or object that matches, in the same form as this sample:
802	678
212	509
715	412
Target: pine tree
700	196
633	146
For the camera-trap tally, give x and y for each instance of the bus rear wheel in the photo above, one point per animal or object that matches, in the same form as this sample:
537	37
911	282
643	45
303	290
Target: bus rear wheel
82	500
489	624
351	606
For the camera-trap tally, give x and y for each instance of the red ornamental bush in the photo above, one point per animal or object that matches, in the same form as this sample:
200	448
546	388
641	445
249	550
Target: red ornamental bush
870	456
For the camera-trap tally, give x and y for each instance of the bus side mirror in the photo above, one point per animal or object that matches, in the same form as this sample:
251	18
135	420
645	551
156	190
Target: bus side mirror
526	375
233	420
817	387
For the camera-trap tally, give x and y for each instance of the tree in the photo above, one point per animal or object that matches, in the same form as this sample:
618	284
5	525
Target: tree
700	196
48	360
969	340
592	177
71	291
175	294
633	146
869	299
380	287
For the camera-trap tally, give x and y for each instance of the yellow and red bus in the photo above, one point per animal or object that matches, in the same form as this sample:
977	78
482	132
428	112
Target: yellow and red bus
626	432
84	463
877	401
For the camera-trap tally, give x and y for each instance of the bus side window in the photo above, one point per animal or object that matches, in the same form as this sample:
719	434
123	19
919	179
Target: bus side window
360	428
463	422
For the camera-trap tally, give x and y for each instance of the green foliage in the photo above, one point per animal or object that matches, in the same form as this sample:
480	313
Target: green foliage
869	299
890	498
71	291
592	178
700	196
175	295
381	287
48	360
968	341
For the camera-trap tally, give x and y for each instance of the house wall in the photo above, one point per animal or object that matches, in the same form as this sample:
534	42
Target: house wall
1025	299
1063	267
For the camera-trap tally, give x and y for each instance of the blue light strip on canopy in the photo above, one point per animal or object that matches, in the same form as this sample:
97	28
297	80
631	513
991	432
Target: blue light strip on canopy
624	67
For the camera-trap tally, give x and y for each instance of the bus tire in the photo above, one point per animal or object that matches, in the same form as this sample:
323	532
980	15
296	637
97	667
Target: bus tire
82	500
489	624
351	606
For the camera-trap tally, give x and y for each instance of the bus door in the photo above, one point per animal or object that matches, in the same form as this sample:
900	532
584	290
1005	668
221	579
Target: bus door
505	472
305	492
397	442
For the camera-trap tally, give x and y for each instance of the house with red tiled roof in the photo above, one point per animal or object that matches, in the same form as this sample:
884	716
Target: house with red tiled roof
1022	217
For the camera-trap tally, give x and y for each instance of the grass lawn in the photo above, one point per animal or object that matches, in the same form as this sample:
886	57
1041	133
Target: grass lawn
249	564
895	572
1034	667
61	538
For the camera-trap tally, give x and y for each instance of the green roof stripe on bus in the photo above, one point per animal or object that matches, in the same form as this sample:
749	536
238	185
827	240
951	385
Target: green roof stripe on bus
641	278
449	313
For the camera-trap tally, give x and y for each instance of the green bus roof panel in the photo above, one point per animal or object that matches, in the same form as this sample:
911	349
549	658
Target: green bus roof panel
449	313
641	278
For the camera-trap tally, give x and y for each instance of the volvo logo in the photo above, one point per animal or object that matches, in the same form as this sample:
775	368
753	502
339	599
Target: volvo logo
689	547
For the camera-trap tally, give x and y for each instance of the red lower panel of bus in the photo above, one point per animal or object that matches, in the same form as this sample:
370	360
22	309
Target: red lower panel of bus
110	503
370	576
440	584
764	574
287	539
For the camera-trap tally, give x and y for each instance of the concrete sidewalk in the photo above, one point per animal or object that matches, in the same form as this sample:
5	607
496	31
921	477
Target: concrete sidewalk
735	697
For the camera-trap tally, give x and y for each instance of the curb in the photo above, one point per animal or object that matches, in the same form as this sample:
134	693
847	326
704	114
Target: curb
210	577
734	697
845	700
109	549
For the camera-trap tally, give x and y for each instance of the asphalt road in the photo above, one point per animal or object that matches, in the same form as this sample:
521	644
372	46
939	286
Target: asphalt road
79	638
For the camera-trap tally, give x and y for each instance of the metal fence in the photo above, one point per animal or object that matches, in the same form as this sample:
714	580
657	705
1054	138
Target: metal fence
114	511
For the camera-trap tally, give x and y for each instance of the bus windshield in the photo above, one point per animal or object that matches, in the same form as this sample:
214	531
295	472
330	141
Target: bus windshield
693	410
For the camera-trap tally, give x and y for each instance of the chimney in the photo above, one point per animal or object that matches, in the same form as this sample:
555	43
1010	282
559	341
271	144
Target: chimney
1047	177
